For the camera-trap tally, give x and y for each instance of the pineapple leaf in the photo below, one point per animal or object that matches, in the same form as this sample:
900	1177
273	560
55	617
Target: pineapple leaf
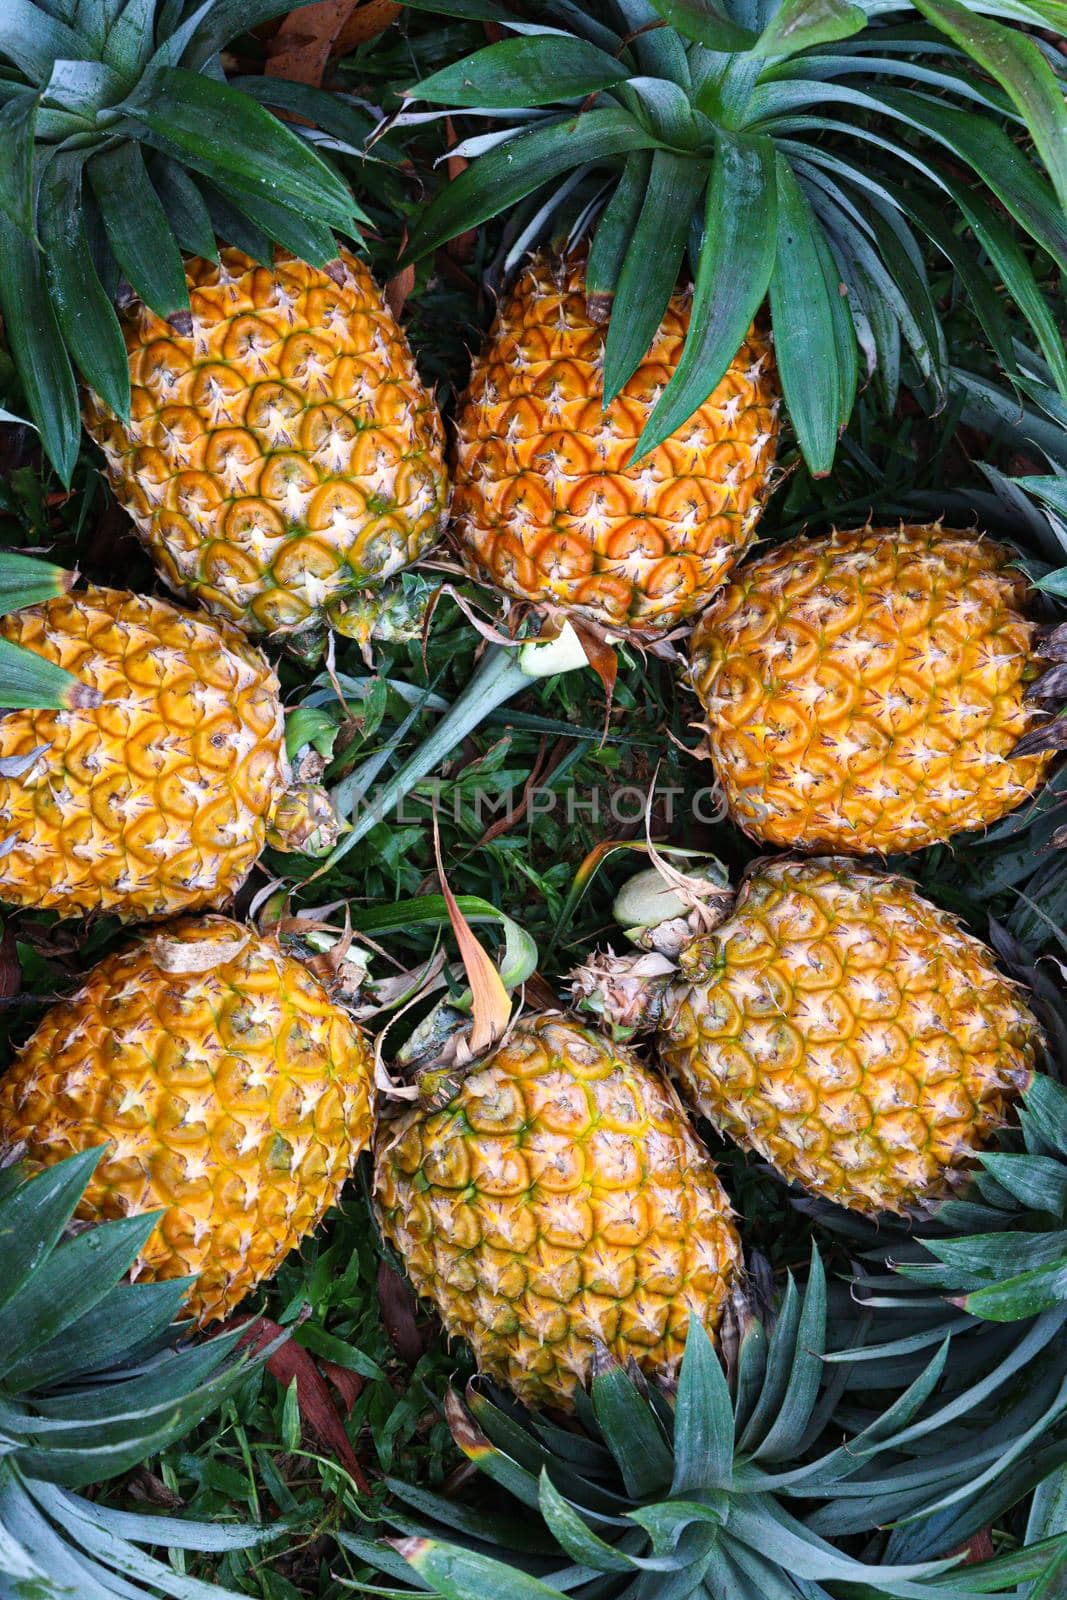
650	266
705	22
988	151
1037	1182
308	239
787	1431
817	385
217	130
33	1217
84	312
184	205
38	349
521	72
74	1277
631	1431
465	1575
1018	65
174	1533
1024	1295
118	1329
704	1418
120	1554
65	1574
137	228
28	681
127	43
613	232
732	278
799	24
233	224
781	1353
18	119
1014	270
25	580
471	1522
35	41
505	175
1046	1103
573	1535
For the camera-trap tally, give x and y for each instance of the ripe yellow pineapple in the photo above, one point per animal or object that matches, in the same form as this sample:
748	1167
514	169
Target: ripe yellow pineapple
547	505
230	1090
155	794
838	1025
560	1198
282	451
864	691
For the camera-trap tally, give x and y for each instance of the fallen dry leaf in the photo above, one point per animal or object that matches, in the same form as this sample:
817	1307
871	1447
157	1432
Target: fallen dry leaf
398	1309
307	39
317	1409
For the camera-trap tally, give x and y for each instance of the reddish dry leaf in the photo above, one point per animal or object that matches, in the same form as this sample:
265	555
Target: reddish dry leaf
349	1384
461	248
603	660
399	287
10	969
398	1315
490	1002
540	993
317	1409
980	1548
303	45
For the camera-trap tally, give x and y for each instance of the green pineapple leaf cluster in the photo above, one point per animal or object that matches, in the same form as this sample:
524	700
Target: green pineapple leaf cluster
91	1383
711	1495
124	145
803	153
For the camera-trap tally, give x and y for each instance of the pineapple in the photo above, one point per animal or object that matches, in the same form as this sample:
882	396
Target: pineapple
93	1382
122	174
865	691
549	503
732	143
156	790
231	1092
559	1201
282	452
838	1025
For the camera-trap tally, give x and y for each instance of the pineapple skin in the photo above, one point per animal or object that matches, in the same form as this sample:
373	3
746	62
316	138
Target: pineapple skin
850	1033
864	690
236	1097
560	1199
159	798
546	504
282	450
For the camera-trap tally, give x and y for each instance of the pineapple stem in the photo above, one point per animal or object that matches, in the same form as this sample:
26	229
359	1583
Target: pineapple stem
503	672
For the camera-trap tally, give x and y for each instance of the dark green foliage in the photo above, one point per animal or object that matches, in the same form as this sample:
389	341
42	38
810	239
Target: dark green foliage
712	1495
93	1380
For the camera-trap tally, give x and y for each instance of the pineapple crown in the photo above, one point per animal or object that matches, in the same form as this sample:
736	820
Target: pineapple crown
691	1498
91	1383
111	112
804	151
663	910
